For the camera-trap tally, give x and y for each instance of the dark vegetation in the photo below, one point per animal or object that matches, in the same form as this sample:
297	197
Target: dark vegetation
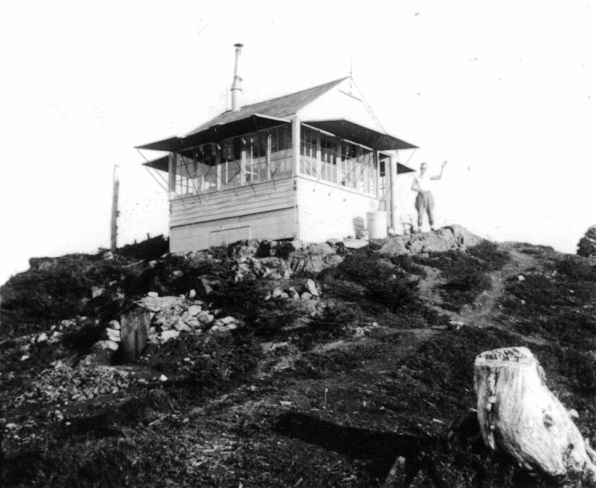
466	273
308	393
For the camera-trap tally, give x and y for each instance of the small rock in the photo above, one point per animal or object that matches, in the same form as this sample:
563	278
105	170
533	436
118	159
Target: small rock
521	278
114	335
114	324
107	256
232	326
193	322
112	345
205	318
194	310
306	296
311	287
96	291
163	378
42	337
355	243
276	293
182	327
25	357
166	335
192	294
228	320
153	294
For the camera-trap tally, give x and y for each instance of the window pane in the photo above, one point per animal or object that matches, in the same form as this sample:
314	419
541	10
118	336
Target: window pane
281	152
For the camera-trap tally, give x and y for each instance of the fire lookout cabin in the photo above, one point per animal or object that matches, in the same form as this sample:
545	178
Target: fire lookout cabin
306	166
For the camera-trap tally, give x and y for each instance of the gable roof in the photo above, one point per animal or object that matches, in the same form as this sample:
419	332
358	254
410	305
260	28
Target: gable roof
277	107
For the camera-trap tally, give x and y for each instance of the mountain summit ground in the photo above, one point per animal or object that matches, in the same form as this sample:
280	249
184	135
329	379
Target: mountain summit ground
299	366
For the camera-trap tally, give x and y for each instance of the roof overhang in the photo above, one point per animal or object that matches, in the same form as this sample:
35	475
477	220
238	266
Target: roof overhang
216	133
361	135
401	169
161	164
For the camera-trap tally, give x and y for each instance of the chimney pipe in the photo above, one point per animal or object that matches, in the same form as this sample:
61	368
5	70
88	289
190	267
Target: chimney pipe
236	86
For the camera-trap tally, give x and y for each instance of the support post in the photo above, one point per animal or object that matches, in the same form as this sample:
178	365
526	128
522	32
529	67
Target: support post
377	170
393	192
172	175
114	227
319	156
296	144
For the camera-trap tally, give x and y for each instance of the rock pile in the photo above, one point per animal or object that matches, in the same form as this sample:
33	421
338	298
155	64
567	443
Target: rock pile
587	244
63	384
308	291
176	315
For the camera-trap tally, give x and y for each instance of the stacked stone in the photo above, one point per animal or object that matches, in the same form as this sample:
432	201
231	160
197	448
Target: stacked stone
176	315
112	337
587	244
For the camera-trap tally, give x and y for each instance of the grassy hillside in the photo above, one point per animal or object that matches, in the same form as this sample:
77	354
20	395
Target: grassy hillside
310	391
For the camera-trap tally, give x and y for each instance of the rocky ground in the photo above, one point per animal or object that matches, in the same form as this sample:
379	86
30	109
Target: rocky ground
281	364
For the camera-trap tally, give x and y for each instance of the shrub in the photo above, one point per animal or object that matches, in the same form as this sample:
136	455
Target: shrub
149	249
331	323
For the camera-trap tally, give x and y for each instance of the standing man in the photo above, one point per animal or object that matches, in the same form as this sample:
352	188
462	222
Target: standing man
424	200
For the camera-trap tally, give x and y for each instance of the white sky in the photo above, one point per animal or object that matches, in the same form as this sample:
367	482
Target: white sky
503	90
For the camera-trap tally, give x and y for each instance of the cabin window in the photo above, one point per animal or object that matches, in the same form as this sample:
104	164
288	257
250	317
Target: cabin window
329	154
231	163
245	160
186	170
281	152
256	158
308	152
206	170
337	161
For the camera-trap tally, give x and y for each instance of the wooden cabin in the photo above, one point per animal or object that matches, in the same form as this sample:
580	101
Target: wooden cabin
307	166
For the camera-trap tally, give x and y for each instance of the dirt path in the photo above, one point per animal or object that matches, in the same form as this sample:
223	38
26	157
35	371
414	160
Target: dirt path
483	311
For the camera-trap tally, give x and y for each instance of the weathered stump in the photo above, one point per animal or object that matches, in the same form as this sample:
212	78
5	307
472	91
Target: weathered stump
520	416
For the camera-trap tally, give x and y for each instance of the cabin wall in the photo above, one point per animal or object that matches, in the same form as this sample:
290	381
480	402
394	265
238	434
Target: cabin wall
327	210
265	211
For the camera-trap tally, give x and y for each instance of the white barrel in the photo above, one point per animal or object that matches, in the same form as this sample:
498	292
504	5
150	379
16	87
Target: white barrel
376	223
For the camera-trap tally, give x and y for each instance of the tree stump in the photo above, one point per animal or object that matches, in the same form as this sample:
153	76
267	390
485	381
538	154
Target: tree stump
520	416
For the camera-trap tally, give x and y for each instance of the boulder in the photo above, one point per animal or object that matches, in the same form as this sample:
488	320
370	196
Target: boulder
444	239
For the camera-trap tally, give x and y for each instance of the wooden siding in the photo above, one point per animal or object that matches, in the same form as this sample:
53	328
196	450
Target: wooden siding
278	224
265	212
326	210
233	202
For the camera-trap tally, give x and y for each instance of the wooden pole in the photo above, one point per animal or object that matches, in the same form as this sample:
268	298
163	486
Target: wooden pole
115	210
